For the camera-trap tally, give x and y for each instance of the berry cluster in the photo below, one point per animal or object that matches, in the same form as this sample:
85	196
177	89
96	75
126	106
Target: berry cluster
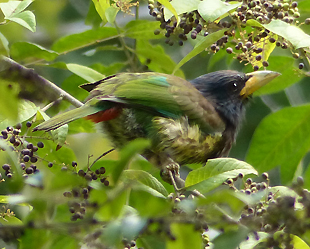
248	47
80	194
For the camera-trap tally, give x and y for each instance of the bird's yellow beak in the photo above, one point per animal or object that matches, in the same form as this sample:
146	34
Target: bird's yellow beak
256	81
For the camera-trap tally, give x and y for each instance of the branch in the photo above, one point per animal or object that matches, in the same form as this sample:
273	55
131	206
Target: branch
39	80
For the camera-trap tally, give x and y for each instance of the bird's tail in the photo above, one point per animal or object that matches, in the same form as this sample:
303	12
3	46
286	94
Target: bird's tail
64	118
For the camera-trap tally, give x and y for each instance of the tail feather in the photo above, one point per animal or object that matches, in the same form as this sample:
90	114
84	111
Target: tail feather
64	118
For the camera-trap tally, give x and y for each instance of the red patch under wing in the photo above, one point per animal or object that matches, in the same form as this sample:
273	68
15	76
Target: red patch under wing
104	115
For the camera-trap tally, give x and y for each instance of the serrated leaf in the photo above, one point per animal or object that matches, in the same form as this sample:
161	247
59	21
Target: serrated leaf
210	10
26	110
292	33
26	19
86	73
142	29
24	50
180	7
147	179
281	139
200	47
215	172
86	38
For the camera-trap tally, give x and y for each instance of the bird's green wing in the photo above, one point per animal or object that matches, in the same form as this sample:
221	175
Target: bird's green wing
168	95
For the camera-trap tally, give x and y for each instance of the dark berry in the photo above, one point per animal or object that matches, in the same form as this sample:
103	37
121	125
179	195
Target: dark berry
81	173
156	32
180	43
265	63
102	170
301	65
265	176
16	132
28	124
33	159
229	50
206	33
50	164
18	126
64	168
307	21
40	144
23	166
294	4
9	128
9	175
29	170
272	40
255	68
25	152
35	149
12	140
4	134
194	34
74	164
29	146
106	183
26	158
258	57
88	177
6	167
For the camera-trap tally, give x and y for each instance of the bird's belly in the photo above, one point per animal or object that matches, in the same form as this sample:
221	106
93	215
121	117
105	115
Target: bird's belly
174	138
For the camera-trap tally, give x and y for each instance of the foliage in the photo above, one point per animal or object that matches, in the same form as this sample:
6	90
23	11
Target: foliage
56	194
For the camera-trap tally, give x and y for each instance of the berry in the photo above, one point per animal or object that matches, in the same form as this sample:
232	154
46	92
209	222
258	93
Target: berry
9	128
255	68
29	170
35	148
40	144
33	159
12	140
229	50
18	126
307	21
258	57
25	152
6	167
28	124
74	164
265	63
23	166
4	134
156	32
26	158
16	132
50	164
102	170
29	146
265	176
301	65
81	173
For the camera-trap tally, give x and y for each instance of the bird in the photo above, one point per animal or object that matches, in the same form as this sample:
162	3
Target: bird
185	121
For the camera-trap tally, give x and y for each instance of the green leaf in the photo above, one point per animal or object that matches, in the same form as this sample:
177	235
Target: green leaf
292	33
26	110
210	10
180	6
170	9
60	135
8	101
298	242
288	76
200	47
14	7
101	7
142	29
110	14
230	239
86	73
4	44
146	179
83	39
281	139
25	50
160	61
127	153
215	172
185	237
26	19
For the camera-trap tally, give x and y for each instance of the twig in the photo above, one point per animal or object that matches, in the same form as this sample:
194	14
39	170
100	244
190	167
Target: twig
104	154
40	80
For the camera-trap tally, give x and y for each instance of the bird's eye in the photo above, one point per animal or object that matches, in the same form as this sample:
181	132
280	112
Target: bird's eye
235	84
